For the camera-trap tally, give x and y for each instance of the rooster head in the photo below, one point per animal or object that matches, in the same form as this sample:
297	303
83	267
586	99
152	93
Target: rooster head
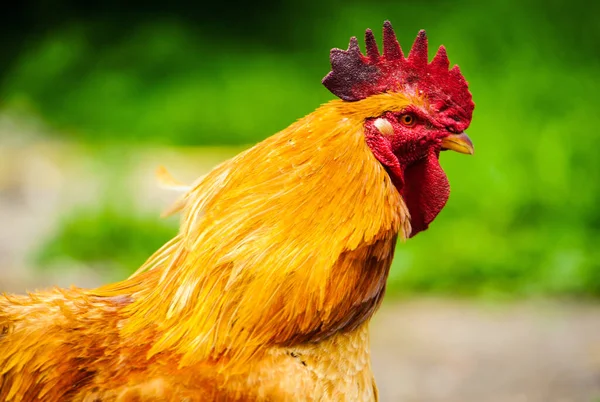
412	110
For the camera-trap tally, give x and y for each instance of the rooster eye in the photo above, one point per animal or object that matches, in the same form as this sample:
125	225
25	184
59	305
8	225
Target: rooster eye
408	119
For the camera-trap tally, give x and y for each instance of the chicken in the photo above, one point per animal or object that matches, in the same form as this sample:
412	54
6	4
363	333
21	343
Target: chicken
281	260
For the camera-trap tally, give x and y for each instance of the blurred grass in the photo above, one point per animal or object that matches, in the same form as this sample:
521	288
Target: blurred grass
110	238
523	218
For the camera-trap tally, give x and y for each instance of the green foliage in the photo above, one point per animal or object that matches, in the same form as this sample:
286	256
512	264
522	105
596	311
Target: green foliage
159	86
116	240
523	217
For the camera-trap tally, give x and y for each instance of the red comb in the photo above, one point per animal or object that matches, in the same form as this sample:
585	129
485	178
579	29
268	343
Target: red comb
355	76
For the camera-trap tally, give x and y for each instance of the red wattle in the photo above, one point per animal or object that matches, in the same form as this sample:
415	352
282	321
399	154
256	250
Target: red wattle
425	191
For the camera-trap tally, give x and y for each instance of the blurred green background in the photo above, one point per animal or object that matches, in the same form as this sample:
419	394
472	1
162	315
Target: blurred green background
118	81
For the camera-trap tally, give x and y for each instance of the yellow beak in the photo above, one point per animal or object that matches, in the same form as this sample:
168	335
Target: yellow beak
458	142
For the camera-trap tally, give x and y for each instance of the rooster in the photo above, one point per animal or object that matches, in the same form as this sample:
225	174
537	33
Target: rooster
281	260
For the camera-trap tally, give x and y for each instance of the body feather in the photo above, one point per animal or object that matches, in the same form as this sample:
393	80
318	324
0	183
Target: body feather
280	261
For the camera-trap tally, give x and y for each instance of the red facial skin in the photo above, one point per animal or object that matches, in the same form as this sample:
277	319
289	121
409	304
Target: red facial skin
410	155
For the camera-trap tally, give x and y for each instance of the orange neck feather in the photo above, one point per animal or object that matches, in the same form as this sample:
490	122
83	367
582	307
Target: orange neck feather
289	242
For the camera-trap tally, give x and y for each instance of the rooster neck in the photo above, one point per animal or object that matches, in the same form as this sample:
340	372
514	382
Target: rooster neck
353	291
288	243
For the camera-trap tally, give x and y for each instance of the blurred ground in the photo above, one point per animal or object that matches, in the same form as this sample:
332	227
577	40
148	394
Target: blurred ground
423	350
442	350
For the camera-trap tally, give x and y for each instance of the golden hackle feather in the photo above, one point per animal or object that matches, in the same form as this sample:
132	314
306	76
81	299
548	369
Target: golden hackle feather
285	243
167	181
264	294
